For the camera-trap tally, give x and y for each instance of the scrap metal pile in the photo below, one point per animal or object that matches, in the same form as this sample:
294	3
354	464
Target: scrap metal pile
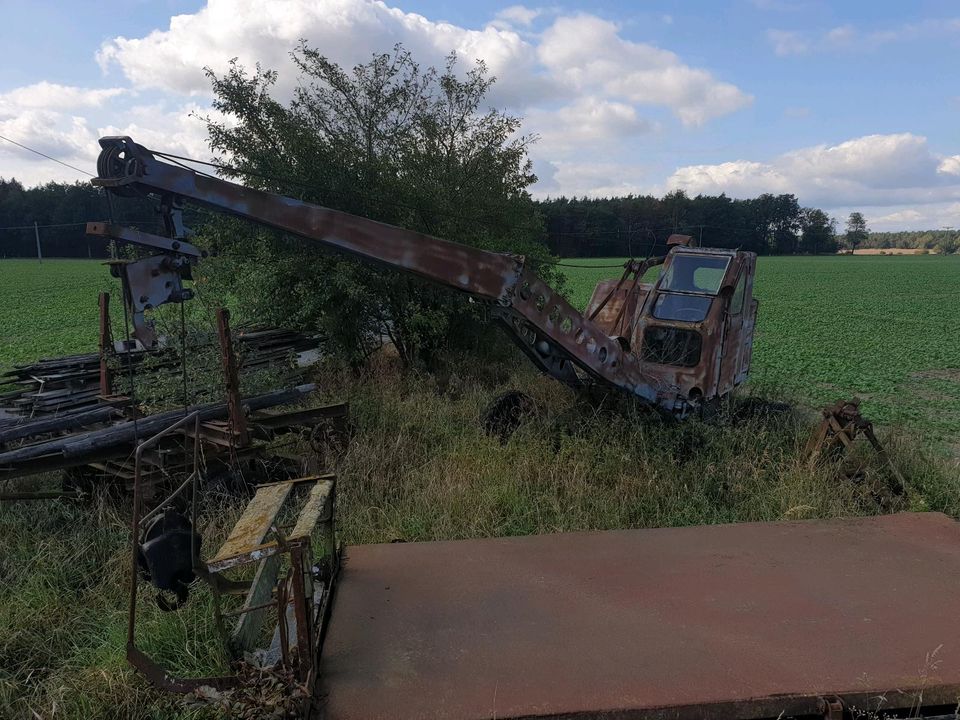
73	384
70	420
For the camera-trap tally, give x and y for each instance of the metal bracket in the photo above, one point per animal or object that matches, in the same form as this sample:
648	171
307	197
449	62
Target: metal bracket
149	283
138	237
831	707
171	208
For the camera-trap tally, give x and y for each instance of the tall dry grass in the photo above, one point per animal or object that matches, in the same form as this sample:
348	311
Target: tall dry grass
417	467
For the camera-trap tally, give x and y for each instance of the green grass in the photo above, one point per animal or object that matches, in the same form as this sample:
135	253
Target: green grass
885	329
418	467
49	309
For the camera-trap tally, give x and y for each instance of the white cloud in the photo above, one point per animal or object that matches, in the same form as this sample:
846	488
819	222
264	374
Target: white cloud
347	31
72	139
516	15
850	38
50	96
901	217
589	122
67	138
575	55
840	37
592	179
787	42
950	165
874	170
586	53
52	119
924	217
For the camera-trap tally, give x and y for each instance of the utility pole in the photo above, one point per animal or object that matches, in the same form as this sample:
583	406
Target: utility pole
36	232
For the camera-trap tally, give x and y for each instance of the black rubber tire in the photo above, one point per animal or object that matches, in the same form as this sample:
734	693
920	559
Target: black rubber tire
507	412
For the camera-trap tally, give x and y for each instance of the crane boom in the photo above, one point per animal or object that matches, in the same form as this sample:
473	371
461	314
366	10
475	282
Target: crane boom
557	337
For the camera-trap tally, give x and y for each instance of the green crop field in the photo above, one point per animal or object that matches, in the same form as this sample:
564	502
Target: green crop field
49	308
886	329
419	466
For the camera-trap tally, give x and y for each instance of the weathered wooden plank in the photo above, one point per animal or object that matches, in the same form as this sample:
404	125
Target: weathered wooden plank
317	504
252	527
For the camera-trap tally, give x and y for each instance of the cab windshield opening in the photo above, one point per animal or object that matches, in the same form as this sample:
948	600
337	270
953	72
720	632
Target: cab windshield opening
700	274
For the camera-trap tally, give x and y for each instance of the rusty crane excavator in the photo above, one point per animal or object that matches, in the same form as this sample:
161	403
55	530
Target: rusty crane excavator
679	344
817	620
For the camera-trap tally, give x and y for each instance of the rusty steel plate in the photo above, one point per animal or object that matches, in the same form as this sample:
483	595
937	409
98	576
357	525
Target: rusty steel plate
716	621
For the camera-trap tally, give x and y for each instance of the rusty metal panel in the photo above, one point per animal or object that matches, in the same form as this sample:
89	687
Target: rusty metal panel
719	621
616	320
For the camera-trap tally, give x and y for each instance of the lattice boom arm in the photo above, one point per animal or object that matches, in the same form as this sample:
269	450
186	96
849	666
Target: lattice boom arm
551	332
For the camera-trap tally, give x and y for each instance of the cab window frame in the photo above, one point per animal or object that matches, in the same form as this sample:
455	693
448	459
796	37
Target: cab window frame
738	299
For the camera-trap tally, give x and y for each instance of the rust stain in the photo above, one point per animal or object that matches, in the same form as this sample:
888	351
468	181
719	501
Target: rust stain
742	620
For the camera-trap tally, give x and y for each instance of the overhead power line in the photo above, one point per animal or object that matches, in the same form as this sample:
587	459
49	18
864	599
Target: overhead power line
48	157
31	226
74	224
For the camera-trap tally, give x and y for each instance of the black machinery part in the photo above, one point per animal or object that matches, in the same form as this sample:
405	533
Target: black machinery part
165	556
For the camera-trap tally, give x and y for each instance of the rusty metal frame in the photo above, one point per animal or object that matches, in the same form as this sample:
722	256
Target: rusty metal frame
135	656
297	590
841	425
231	379
105	338
310	604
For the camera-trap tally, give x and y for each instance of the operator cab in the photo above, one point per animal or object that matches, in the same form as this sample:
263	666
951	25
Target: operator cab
692	327
689	285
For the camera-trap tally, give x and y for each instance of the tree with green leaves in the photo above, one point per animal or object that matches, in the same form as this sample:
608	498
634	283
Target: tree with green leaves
817	232
857	231
384	140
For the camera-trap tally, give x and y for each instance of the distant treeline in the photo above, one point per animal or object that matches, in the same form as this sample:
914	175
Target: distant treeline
61	212
575	227
941	241
611	227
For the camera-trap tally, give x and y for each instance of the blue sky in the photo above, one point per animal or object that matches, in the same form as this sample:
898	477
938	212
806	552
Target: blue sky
849	105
